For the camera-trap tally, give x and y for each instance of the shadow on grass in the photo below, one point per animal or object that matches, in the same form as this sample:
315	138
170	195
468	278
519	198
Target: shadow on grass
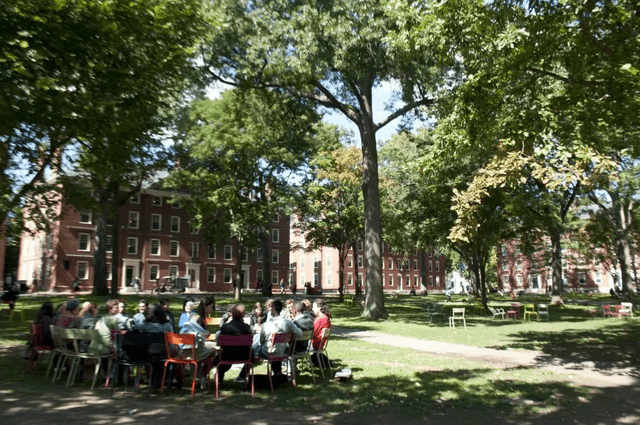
606	348
437	397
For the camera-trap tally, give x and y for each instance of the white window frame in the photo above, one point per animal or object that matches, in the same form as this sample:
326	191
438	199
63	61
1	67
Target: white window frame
135	199
152	268
328	260
437	266
228	249
390	280
85	275
135	245
88	242
88	214
194	249
350	279
108	244
159	251
275	235
211	275
245	254
174	220
275	256
360	261
302	261
159	226
259	255
350	261
156	201
177	250
109	275
174	270
134	217
275	276
212	249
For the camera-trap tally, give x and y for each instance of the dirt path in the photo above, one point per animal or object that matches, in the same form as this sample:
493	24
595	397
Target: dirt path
578	373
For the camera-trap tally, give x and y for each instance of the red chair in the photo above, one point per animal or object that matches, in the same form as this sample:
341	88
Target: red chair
187	340
234	344
37	346
607	312
277	338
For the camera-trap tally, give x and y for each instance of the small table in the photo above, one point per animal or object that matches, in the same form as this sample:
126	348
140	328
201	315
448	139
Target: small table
515	308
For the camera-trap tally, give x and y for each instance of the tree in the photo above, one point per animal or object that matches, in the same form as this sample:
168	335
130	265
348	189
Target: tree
71	69
335	54
236	155
331	212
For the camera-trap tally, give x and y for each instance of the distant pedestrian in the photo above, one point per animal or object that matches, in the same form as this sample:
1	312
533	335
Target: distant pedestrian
76	284
282	286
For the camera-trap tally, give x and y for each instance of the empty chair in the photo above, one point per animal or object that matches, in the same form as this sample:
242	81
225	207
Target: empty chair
627	308
457	314
607	312
529	310
543	310
495	311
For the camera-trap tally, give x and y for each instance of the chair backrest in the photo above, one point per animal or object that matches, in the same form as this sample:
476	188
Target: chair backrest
279	339
606	308
37	334
133	346
235	347
302	343
185	340
458	311
543	307
85	340
492	310
529	307
627	307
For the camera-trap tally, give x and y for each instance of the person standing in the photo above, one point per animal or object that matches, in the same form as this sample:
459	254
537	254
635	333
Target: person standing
76	284
282	286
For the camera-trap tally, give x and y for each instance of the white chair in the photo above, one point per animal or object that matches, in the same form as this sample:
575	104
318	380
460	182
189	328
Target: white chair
304	356
497	312
543	310
324	337
457	314
626	310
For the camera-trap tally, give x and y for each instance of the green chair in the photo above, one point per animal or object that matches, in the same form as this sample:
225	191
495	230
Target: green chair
530	310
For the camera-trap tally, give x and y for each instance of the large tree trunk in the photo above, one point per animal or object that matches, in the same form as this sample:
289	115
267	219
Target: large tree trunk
556	262
115	255
374	298
236	280
99	255
343	251
623	222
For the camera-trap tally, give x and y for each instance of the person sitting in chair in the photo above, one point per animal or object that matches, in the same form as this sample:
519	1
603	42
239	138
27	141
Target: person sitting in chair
235	326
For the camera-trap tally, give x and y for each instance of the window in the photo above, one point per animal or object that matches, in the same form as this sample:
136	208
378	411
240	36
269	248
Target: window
275	256
350	280
360	262
329	281
276	219
211	251
519	280
430	265
302	261
350	261
384	279
156	222
437	266
211	275
505	279
84	243
399	281
415	264
193	228
228	252
598	278
383	261
108	271
415	280
135	199
503	250
259	274
535	281
399	261
227	275
154	272
437	280
505	266
406	264
390	280
134	218
156	201
174	248
259	255
132	246
194	247
360	246
175	205
302	280
85	217
109	243
275	235
175	224
316	279
83	272
390	263
274	277
582	278
155	246
519	265
329	260
390	249
173	270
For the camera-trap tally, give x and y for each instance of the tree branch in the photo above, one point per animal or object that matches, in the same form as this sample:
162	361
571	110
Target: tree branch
406	108
565	79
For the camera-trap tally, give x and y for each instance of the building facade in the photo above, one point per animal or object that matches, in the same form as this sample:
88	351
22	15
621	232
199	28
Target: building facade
156	240
321	268
532	273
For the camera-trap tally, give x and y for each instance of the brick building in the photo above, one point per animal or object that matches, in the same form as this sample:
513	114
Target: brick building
156	240
322	269
532	273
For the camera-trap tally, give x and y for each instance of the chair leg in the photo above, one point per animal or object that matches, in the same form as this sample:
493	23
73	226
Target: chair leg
51	358
293	371
57	372
95	374
269	375
195	378
164	377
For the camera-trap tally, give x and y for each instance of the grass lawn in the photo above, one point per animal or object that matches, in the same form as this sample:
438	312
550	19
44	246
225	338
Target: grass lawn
391	384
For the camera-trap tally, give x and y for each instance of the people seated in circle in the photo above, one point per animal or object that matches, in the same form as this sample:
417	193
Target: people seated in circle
277	324
258	317
304	322
155	320
235	326
321	322
45	318
87	317
140	316
187	311
166	304
106	325
197	325
121	315
68	314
